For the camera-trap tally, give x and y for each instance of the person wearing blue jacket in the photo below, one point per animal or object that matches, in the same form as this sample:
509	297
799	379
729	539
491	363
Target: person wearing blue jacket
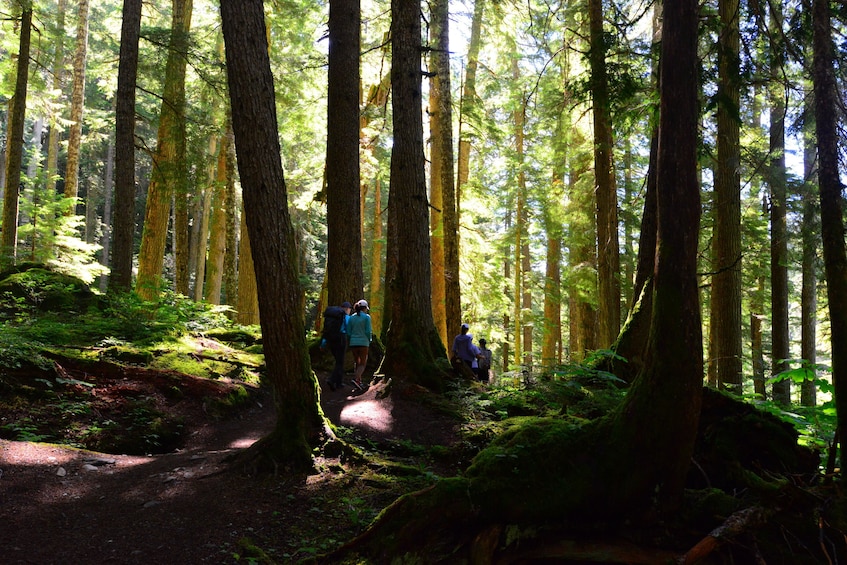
359	338
464	348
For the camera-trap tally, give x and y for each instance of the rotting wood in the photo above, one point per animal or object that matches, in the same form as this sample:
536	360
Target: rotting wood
737	523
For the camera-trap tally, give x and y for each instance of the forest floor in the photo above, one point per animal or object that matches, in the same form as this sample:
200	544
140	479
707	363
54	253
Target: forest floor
67	505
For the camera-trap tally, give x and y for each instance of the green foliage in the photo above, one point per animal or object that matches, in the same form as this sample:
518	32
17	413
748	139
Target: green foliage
18	350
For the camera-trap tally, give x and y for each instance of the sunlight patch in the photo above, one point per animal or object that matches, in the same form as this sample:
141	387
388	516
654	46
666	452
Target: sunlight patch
369	414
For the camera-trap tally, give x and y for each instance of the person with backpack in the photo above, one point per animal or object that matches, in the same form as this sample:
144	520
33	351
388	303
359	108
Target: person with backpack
359	337
463	347
335	338
484	361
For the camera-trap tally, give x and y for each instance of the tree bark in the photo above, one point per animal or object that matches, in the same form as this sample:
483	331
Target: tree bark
300	424
230	274
453	214
376	292
582	282
345	275
726	279
438	61
248	300
217	229
522	345
780	346
411	341
58	86
169	172
123	227
108	191
77	107
15	142
829	181
809	231
608	258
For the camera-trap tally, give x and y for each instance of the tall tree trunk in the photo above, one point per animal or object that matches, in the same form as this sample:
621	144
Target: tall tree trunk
345	275
582	280
181	235
757	315
411	340
661	412
217	229
726	281
608	258
77	106
632	343
780	349
108	190
508	295
452	214
300	424
58	86
832	222
248	300
521	226
230	278
552	329
376	260
123	227
92	200
441	193
169	172
203	219
15	143
810	231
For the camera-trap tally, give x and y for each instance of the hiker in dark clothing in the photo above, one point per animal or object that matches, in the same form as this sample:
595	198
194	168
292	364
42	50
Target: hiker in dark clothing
463	347
335	338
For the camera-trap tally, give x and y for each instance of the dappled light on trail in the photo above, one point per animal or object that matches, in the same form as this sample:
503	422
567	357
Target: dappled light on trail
372	415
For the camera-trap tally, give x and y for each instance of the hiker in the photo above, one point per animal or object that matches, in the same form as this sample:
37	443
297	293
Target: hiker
463	347
359	337
484	361
335	337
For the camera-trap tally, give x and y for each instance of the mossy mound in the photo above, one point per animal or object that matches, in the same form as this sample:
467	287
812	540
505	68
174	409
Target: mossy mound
32	285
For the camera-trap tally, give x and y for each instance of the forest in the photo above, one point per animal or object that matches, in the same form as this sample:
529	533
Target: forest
638	205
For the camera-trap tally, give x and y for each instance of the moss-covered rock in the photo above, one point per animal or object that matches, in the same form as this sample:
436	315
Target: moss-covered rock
31	285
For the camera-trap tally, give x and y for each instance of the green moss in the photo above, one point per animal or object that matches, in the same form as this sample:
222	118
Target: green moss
127	354
36	286
220	407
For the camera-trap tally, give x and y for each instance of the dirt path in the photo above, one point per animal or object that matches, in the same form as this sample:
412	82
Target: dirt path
60	505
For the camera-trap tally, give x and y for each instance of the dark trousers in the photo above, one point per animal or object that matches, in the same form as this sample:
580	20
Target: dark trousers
338	347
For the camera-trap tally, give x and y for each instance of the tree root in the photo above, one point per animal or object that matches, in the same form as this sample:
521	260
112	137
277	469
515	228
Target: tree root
738	523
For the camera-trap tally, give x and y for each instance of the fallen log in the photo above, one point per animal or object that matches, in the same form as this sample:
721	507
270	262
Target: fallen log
739	522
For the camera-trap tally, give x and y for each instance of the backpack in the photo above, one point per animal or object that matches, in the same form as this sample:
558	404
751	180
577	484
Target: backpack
333	321
484	361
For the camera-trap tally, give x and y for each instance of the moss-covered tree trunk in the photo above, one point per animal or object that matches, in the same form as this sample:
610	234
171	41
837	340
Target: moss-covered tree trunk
412	343
248	302
300	423
15	143
169	165
217	229
77	107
